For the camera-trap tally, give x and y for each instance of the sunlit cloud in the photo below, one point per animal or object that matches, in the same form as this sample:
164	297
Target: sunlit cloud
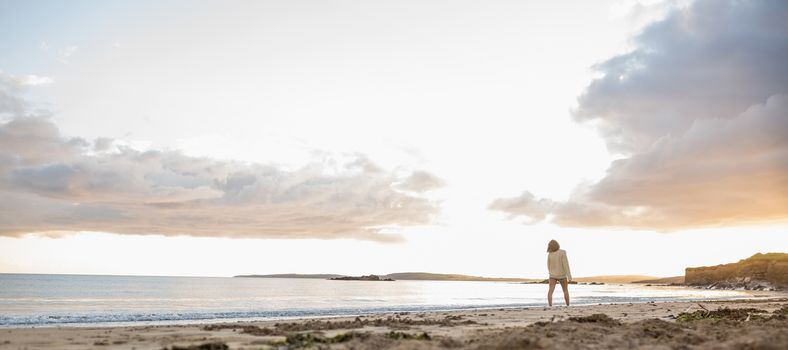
698	110
53	184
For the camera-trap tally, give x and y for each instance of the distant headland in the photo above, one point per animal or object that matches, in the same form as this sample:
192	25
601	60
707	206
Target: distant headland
322	276
427	276
758	272
406	276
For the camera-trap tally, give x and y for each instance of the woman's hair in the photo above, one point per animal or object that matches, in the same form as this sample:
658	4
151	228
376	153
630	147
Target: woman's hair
552	246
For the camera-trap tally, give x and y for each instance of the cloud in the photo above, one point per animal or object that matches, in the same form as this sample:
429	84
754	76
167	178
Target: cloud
35	80
53	184
11	88
524	205
710	60
700	111
65	53
420	181
10	102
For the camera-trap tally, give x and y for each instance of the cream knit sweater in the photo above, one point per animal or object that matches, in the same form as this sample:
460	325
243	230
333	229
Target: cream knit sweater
558	265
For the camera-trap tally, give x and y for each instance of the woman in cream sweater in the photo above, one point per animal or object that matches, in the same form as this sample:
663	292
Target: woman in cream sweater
558	266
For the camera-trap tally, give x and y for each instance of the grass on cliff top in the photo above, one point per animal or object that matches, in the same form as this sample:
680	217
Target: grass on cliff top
768	256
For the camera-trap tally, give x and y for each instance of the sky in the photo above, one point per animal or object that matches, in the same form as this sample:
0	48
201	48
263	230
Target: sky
217	138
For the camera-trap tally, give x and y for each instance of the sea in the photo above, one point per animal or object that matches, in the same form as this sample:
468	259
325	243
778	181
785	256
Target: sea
41	300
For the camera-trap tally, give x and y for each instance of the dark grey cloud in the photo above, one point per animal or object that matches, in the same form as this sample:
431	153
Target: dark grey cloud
711	60
700	110
53	184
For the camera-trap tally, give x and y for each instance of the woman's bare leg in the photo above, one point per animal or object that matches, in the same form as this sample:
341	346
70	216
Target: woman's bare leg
565	287
550	292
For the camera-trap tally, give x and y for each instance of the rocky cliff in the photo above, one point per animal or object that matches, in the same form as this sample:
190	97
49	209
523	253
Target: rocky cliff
760	271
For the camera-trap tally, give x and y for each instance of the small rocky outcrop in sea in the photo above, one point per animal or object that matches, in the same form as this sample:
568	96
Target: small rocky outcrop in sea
742	284
362	278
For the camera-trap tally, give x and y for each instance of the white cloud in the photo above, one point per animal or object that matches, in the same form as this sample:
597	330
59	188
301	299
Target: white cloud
35	80
420	181
11	89
65	53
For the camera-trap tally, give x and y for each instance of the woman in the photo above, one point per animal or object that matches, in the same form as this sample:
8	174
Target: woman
558	266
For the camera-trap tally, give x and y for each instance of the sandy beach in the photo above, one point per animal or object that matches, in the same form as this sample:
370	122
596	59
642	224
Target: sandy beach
759	323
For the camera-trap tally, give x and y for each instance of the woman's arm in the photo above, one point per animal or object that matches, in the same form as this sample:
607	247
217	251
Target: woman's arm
548	262
565	262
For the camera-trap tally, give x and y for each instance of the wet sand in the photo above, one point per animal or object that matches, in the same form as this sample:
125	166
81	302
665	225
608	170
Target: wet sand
743	324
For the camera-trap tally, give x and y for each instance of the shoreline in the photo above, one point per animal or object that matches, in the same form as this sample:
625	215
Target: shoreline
469	328
393	310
